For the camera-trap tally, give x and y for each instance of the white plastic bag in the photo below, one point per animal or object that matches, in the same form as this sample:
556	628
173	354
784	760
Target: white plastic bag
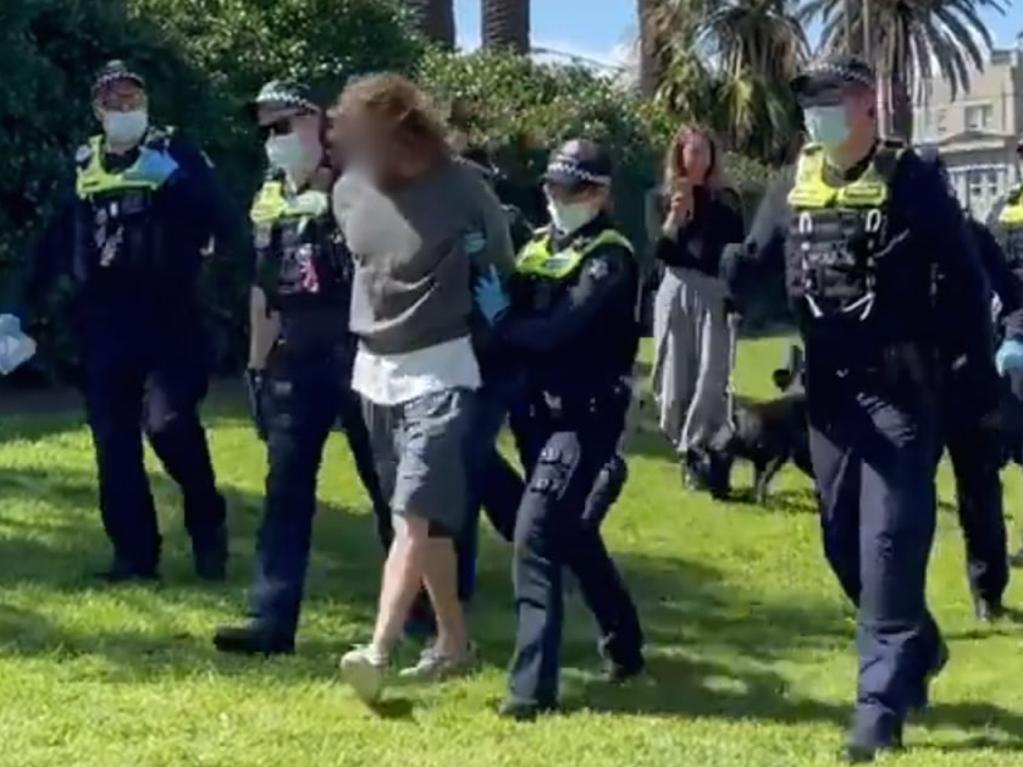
16	348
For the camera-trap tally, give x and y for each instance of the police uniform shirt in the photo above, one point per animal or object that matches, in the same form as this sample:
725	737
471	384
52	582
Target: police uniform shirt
925	233
581	334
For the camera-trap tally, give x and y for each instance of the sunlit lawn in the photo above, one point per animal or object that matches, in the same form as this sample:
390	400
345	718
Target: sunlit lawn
750	646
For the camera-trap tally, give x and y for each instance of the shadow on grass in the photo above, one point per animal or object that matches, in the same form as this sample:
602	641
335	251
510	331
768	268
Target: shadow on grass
712	645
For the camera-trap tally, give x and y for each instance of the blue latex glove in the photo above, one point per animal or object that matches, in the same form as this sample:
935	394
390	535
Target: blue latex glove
153	165
490	296
1009	356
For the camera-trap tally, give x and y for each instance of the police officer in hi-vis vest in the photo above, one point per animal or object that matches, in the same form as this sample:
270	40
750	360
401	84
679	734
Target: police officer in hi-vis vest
1006	223
571	319
143	209
863	227
301	355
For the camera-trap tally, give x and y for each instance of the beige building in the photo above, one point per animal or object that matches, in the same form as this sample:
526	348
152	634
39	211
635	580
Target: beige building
977	132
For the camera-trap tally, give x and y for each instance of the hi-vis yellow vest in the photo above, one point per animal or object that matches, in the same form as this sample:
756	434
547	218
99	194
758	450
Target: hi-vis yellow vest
94	180
273	205
812	191
538	260
1012	214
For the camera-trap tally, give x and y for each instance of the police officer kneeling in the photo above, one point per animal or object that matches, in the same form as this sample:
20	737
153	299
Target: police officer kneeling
572	317
143	210
863	227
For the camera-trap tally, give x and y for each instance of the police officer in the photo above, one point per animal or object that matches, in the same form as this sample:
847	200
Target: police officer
862	227
571	317
1006	224
142	211
300	364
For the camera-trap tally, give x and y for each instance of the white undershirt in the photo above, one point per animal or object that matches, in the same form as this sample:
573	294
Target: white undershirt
393	379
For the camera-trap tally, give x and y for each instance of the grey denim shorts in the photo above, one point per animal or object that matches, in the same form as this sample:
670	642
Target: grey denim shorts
419	449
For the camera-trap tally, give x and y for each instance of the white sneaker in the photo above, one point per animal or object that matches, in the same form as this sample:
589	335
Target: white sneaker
434	667
364	670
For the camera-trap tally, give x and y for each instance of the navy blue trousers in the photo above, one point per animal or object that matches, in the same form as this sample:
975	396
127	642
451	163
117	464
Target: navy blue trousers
976	455
149	381
874	458
303	398
564	457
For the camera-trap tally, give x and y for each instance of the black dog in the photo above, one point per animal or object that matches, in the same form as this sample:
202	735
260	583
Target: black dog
768	434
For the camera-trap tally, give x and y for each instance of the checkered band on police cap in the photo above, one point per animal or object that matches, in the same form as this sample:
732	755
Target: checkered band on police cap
580	162
278	93
113	72
835	68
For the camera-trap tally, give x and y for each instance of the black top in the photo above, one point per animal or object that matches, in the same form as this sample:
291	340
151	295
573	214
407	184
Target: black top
578	335
925	235
698	244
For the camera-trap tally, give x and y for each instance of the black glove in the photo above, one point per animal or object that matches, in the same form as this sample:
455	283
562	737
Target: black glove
254	383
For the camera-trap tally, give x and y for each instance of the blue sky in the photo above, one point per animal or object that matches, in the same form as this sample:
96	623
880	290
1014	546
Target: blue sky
602	29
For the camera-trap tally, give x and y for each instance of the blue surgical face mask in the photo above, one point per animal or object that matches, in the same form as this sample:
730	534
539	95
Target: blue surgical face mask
827	125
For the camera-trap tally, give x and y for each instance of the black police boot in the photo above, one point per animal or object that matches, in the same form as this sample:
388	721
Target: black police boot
988	610
210	557
525	711
865	744
124	571
253	639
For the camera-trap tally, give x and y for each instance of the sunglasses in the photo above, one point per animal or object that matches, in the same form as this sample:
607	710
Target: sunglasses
281	127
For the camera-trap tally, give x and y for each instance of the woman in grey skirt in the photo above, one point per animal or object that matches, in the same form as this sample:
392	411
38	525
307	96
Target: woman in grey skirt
691	328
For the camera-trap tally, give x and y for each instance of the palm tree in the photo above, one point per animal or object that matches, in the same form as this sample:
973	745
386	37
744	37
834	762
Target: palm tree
908	41
758	45
435	20
653	45
506	24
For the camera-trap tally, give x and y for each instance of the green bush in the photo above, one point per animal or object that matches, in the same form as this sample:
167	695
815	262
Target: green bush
203	59
520	110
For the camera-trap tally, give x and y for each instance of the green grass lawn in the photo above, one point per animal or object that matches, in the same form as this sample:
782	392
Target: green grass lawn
751	659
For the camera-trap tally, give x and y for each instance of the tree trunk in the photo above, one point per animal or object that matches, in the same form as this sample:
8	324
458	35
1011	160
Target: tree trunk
902	108
650	73
435	20
506	24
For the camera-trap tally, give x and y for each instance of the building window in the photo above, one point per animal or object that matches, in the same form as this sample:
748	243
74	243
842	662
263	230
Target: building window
980	117
939	121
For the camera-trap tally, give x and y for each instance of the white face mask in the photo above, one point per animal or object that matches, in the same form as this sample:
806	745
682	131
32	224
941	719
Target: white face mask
289	154
571	216
125	128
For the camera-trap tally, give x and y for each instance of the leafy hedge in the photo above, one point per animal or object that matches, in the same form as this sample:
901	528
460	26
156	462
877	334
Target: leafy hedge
520	110
205	58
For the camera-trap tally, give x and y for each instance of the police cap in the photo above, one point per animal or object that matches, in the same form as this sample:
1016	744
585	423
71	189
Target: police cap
114	72
284	94
831	73
579	163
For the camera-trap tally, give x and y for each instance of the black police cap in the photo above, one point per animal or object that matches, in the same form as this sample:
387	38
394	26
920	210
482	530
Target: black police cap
114	72
578	163
285	94
833	71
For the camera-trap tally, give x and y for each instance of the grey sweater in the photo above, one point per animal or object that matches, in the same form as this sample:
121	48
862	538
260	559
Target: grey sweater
416	251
